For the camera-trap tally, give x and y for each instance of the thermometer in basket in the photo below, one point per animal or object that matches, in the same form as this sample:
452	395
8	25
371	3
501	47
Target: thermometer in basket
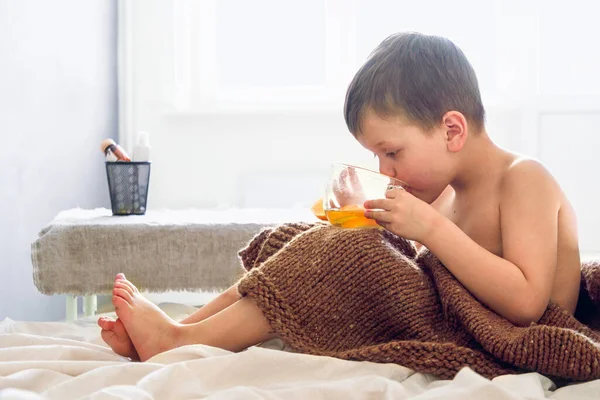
113	152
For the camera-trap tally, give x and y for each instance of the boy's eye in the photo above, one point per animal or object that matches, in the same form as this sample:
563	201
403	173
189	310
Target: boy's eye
391	154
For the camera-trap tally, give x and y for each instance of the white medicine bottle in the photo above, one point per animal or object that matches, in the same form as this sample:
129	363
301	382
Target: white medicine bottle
141	151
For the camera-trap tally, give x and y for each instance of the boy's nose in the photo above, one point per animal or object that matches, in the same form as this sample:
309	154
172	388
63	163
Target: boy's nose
386	169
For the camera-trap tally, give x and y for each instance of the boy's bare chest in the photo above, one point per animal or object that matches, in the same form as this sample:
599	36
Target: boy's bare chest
479	220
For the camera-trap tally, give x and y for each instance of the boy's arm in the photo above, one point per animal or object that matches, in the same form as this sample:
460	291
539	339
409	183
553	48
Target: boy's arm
517	286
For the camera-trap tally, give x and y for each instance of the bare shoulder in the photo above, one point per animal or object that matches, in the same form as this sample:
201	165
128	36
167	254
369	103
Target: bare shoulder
529	178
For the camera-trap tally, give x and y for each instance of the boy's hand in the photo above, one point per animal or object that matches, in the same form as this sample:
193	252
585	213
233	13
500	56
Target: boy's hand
403	214
347	189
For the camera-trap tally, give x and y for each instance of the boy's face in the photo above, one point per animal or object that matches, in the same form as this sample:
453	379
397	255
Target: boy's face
406	152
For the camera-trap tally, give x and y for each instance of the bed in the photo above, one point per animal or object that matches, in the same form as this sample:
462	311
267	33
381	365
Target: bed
64	360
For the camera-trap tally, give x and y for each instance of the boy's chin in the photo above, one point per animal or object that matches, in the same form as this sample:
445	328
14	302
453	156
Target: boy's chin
420	195
425	196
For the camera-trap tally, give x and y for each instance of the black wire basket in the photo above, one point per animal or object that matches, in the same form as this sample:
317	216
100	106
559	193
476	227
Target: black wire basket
128	186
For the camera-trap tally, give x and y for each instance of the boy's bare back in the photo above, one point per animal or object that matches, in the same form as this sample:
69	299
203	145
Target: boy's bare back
485	216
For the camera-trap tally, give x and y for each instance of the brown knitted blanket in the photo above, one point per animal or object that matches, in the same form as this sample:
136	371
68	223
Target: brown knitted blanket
369	295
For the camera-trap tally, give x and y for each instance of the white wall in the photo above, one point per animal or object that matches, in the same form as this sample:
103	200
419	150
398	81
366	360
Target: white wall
217	154
537	64
57	102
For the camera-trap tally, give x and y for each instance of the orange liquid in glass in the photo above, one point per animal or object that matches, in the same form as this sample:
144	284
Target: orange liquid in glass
350	217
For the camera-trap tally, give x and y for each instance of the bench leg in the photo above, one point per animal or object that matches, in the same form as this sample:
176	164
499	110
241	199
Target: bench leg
71	307
90	305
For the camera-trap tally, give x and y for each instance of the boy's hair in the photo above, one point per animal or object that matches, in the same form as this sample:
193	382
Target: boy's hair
418	77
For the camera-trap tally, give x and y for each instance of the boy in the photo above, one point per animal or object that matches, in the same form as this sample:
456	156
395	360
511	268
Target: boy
416	105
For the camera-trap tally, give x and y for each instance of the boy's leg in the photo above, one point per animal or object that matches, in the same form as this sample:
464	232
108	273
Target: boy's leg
217	304
115	335
234	328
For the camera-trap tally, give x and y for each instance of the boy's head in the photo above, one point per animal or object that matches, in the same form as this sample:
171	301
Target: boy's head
416	77
413	104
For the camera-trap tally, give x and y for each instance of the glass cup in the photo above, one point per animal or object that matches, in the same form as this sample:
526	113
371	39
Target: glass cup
347	190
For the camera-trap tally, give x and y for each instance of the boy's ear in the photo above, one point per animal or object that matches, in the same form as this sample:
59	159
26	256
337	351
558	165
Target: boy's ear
455	125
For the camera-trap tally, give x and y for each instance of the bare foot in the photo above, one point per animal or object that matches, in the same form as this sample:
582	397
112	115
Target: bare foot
114	334
150	329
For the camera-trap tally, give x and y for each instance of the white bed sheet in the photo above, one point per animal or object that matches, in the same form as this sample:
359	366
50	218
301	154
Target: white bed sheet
42	360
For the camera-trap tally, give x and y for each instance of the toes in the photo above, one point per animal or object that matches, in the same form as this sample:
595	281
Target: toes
122	307
125	284
120	279
106	323
122	293
133	288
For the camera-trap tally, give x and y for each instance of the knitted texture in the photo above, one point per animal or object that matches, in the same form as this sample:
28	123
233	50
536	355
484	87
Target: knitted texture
369	295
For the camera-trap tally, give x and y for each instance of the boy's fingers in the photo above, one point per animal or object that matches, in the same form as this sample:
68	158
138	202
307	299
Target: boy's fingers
379	216
382	204
344	177
393	193
353	177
